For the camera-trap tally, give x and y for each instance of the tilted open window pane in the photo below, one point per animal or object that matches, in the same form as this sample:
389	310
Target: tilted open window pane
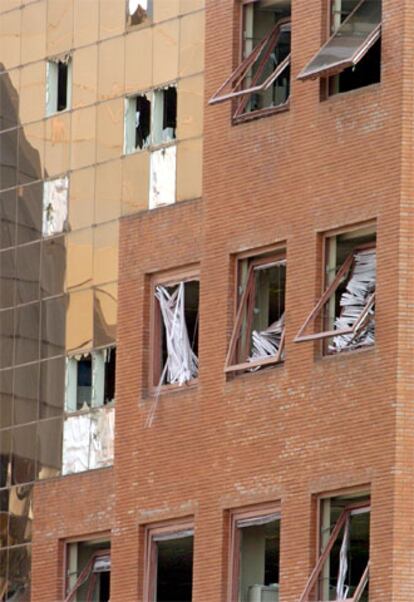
262	79
258	333
349	44
345	313
342	571
88	571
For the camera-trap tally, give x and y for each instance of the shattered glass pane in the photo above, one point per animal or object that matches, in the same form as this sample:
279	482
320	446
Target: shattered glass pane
55	206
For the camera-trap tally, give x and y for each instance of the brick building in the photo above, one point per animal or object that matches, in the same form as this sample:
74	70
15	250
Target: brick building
205	321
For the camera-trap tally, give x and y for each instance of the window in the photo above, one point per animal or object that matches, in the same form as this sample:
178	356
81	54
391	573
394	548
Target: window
165	115
137	123
345	313
351	58
342	570
261	82
90	379
175	331
55	206
169	564
88	572
255	548
58	84
88	431
258	334
139	11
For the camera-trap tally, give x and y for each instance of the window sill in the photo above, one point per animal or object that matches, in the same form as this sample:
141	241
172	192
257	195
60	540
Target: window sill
345	353
165	389
267	112
236	372
373	88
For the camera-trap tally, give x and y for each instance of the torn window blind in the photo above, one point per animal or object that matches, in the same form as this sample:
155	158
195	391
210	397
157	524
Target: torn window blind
88	441
89	576
350	546
355	325
257	520
358	295
55	206
173	535
259	72
162	177
349	44
181	361
258	335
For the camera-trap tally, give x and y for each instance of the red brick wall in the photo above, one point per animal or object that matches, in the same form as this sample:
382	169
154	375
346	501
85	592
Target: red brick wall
288	433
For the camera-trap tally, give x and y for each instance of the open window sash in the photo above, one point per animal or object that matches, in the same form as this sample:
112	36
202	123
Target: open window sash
359	323
232	87
246	309
349	44
351	510
95	565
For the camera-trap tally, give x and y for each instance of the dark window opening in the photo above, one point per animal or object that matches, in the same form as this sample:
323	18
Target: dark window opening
262	79
84	382
258	334
142	121
139	11
110	372
178	317
62	86
365	73
170	110
174	580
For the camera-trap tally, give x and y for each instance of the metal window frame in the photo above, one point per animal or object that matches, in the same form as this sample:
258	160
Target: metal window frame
344	271
170	528
315	574
259	511
339	66
262	52
245	303
84	576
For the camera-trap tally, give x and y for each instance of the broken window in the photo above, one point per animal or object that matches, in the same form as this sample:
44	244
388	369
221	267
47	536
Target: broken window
345	313
88	574
351	58
169	565
55	206
262	79
163	177
58	84
255	556
165	115
90	379
139	11
342	570
176	332
137	123
258	335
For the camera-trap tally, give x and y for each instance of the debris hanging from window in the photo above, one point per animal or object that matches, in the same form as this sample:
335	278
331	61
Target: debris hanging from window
359	290
163	177
266	343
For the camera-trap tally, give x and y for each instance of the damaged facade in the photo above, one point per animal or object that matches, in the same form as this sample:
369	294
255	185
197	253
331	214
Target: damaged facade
206	400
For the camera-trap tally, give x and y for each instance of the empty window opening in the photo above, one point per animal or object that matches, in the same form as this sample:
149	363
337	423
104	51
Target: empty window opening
139	11
137	123
258	545
351	58
342	570
88	571
345	313
55	206
176	347
262	79
171	566
258	334
165	115
58	85
90	379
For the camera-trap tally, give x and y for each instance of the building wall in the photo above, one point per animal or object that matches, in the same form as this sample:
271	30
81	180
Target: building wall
314	424
59	294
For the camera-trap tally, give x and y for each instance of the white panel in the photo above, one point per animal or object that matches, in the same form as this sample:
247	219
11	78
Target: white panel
163	177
